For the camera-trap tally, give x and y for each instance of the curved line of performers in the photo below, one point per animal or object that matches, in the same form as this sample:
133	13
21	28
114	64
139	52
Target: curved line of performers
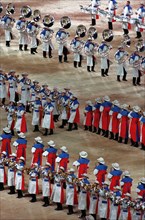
101	198
110	119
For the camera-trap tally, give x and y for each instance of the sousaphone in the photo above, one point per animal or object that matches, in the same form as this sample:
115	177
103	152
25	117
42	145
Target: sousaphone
1	7
36	15
92	32
10	9
81	30
48	20
107	35
65	22
140	45
26	11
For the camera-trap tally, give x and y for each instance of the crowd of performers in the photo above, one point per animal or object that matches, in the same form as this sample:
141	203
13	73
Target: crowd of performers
102	116
107	197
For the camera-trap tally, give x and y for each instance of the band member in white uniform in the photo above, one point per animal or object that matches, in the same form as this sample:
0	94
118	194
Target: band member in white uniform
61	39
76	47
140	14
94	6
25	84
23	39
12	79
90	50
33	182
32	30
3	92
19	178
2	170
36	113
121	56
127	12
112	11
7	23
46	36
11	173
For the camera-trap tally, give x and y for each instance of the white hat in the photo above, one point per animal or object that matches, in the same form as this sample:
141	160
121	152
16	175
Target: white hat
85	175
106	183
89	102
77	36
83	154
116	166
71	170
125	106
21	134
117	187
35	81
127	194
98	100
63	148
48	164
51	143
74	96
13	155
101	160
139	197
142	180
126	173
136	108
24	74
89	38
115	102
106	98
143	113
45	84
6	130
38	139
119	47
32	21
35	164
4	152
62	168
22	158
66	88
11	71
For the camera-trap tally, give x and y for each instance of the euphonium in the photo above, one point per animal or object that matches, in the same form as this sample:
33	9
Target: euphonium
36	15
107	35
65	22
10	9
81	30
48	20
26	11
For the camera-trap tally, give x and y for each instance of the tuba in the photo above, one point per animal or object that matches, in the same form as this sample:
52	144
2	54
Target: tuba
81	30
126	41
65	22
48	20
107	35
1	7
140	47
36	15
26	11
92	33
10	9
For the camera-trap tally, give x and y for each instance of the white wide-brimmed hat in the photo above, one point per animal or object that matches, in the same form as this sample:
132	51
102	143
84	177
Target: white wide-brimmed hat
88	102
21	134
35	81
4	152
98	100
97	182
142	180
7	130
38	139
117	187
106	183
136	108
126	173
74	96
116	166
61	168
125	106
22	158
64	148
51	143
115	102
101	160
139	197
71	170
48	164
13	155
106	98
83	154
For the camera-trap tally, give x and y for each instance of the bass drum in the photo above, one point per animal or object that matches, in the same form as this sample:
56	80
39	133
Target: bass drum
92	33
81	30
48	20
65	22
107	35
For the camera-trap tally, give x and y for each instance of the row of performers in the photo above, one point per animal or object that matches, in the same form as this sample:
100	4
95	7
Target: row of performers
110	119
99	199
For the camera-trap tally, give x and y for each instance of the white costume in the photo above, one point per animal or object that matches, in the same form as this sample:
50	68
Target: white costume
21	27
46	36
90	49
32	186
11	110
48	117
19	176
12	87
46	185
20	112
57	189
76	47
7	24
121	61
36	112
2	86
70	190
25	90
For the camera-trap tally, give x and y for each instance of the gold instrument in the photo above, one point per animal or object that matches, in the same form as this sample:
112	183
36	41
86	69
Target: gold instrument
26	11
65	22
107	35
48	20
36	15
81	30
10	9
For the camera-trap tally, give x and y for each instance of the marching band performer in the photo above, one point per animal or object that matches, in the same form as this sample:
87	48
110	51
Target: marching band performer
140	15
77	46
100	171
3	177
11	173
20	125
134	61
105	118
25	84
114	121
90	49
96	115
7	24
32	30
120	57
64	104
103	51
88	116
134	126
142	131
46	36
36	118
21	27
115	207
50	153
33	182
138	212
55	95
61	39
44	92
10	109
63	158
19	177
3	92
141	188
48	122
46	183
37	150
21	145
82	163
112	12
126	183
125	212
71	193
114	176
94	6
34	90
74	117
123	124
12	88
5	138
127	12
83	195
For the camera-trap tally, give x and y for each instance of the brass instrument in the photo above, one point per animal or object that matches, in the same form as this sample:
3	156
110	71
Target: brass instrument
126	42
107	35
10	9
48	20
36	15
26	11
81	30
140	46
92	33
65	22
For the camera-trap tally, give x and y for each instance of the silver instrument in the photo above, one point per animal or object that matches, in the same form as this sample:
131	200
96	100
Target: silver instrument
140	45
36	15
126	42
134	62
65	22
107	35
10	9
48	20
26	11
81	30
92	32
